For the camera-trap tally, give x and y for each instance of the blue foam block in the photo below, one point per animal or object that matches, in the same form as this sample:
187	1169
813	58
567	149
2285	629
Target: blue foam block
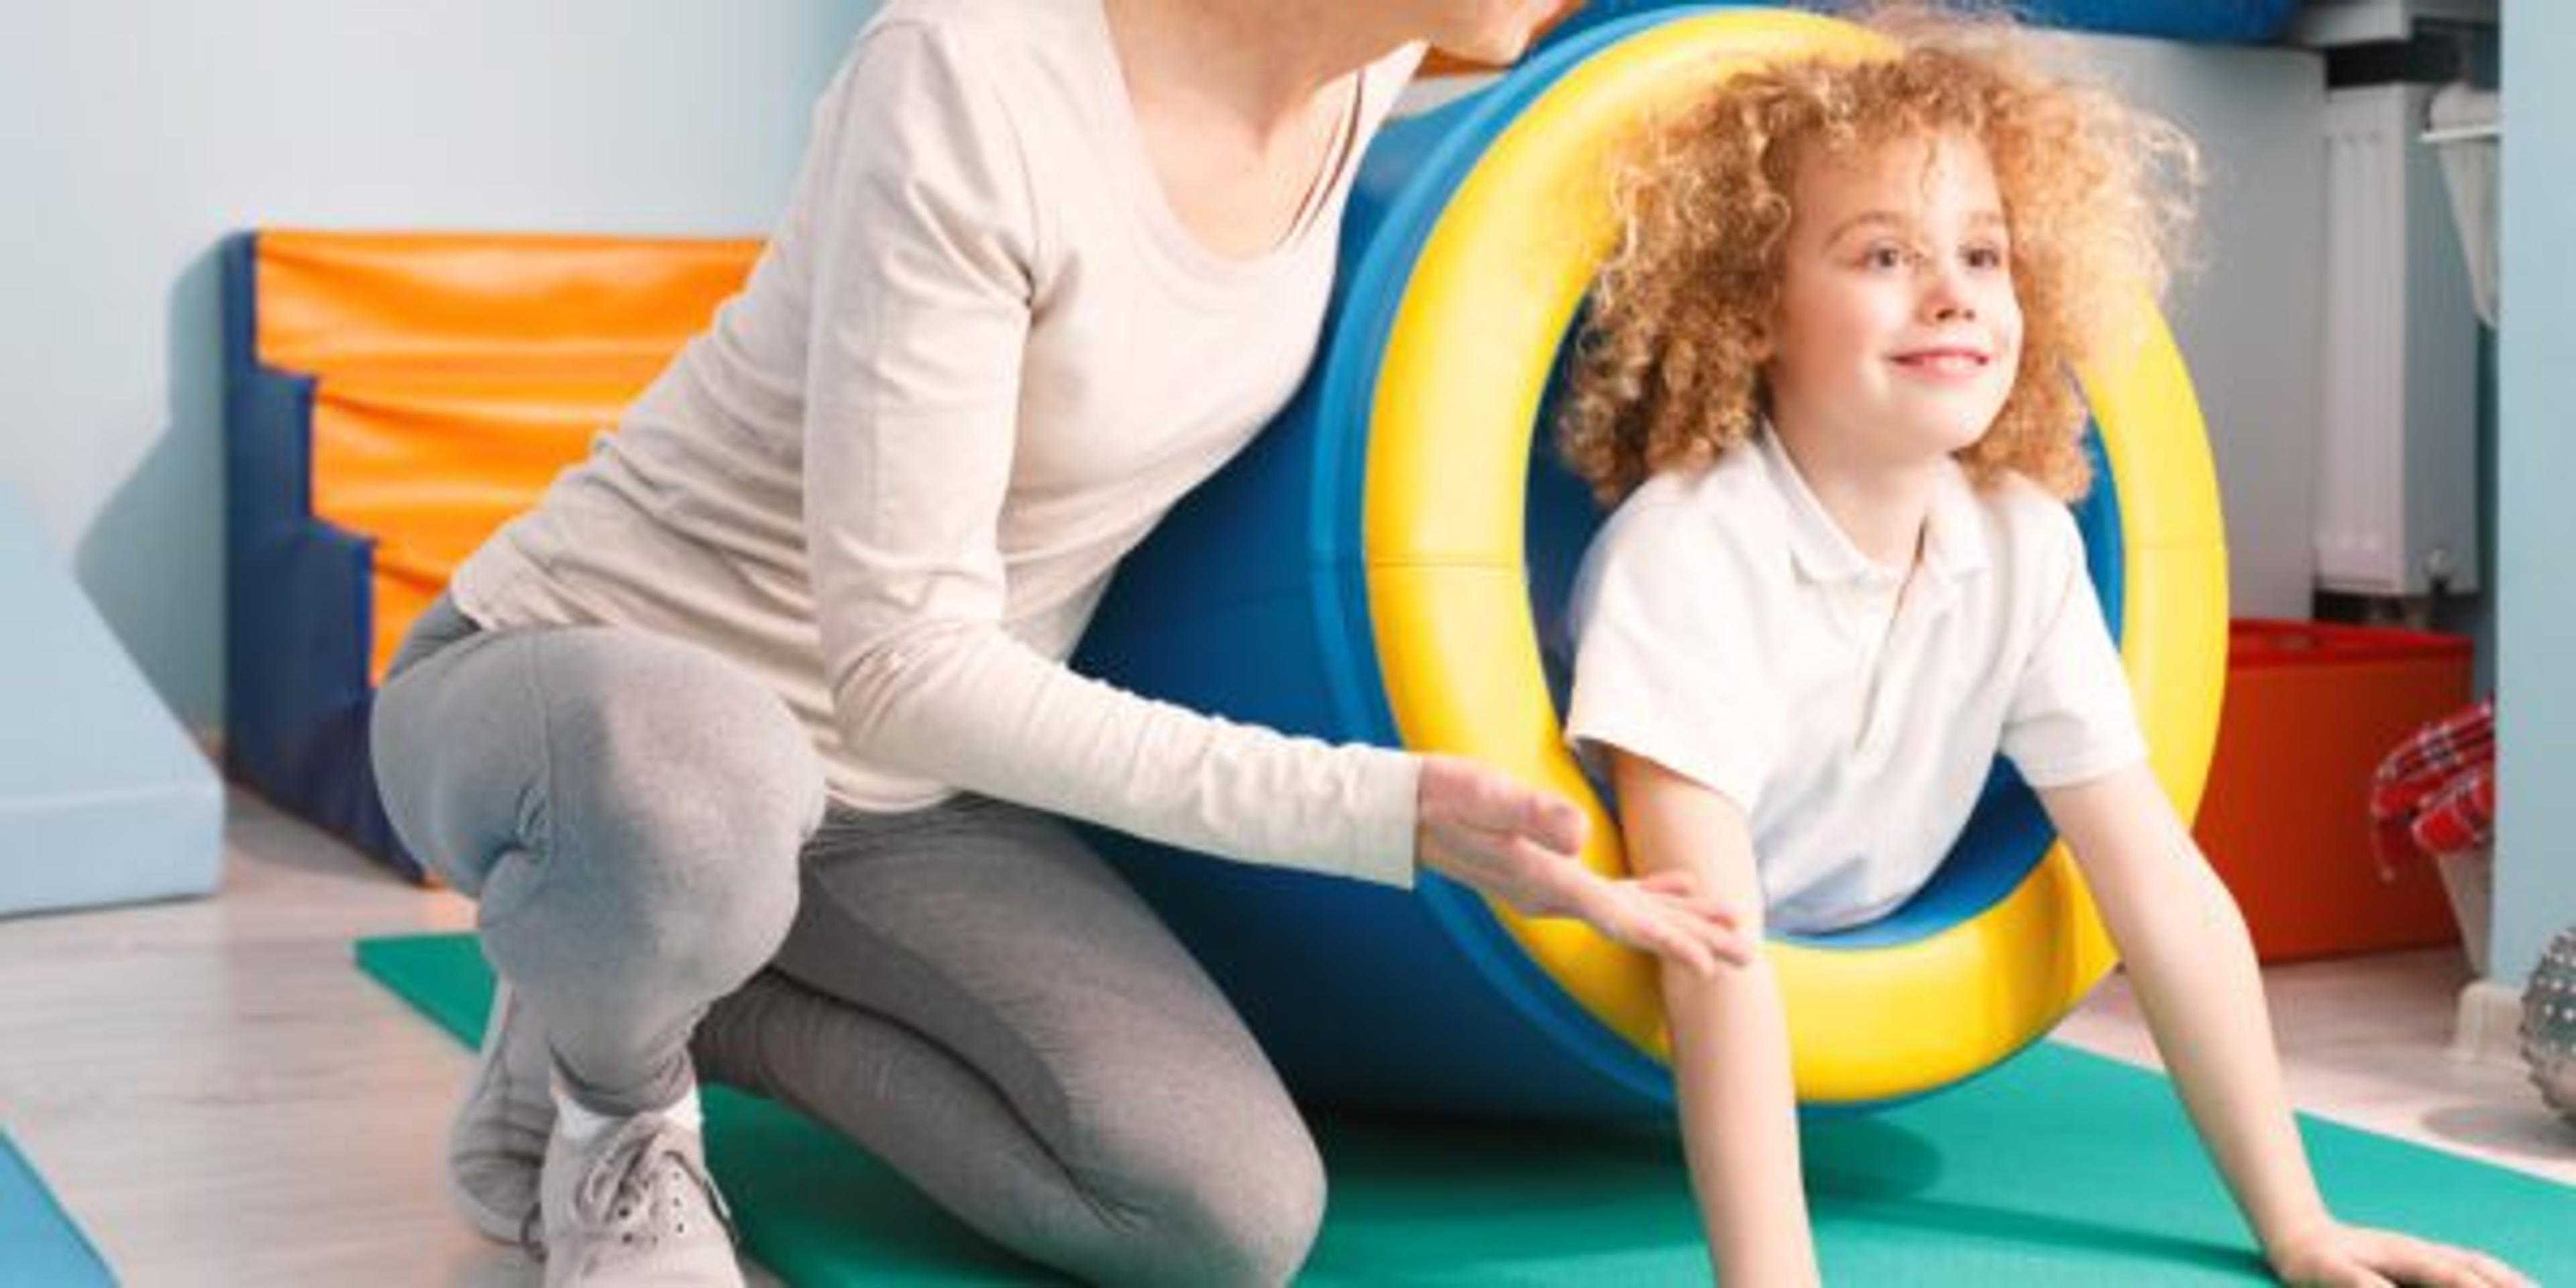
38	1242
102	798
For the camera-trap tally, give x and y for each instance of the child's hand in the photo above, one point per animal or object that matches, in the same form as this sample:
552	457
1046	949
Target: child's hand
1519	845
2340	1255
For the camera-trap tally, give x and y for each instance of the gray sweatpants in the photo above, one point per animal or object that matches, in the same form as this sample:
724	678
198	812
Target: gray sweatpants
967	990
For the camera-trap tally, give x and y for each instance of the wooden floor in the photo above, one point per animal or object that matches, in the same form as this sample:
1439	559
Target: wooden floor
219	1097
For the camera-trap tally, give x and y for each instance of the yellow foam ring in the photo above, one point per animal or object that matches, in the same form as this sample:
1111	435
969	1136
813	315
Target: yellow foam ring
2143	403
2173	539
2178	666
1464	371
1881	1023
1488	698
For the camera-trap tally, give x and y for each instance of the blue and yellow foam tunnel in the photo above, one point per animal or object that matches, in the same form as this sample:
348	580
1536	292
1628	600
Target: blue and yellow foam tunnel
1388	564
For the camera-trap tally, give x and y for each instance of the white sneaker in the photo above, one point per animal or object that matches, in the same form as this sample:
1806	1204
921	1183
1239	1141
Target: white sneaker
634	1206
497	1141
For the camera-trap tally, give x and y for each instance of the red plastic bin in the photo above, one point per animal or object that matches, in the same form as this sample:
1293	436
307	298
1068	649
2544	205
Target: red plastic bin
2311	708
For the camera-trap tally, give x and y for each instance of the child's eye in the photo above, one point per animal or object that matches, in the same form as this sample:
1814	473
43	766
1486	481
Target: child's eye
1885	255
1985	257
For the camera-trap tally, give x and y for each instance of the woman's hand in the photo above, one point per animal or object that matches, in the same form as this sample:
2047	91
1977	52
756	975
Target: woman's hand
1521	846
2337	1256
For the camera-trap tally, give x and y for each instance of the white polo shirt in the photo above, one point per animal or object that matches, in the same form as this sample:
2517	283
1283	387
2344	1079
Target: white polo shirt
1728	630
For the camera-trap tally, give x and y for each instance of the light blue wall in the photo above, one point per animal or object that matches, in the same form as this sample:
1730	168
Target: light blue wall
135	133
2535	892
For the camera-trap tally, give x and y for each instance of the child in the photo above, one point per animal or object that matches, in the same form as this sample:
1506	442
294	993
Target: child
1827	386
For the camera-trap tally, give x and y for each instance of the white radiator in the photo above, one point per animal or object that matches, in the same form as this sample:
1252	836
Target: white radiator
2396	502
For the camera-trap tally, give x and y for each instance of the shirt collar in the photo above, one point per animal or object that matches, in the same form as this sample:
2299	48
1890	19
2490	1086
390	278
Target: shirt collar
1954	542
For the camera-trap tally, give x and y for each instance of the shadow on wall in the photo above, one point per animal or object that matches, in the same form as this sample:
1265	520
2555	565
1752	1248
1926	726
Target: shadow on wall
152	558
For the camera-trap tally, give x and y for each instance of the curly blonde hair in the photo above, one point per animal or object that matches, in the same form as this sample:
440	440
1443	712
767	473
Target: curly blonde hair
1668	371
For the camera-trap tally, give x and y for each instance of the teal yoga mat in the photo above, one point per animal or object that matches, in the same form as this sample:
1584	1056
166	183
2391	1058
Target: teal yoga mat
38	1242
2060	1168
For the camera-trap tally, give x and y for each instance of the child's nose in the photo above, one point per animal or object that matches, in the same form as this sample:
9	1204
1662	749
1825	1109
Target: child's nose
1948	295
1945	302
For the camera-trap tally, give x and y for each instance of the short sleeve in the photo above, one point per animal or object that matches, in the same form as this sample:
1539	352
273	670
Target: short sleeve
1668	660
2071	718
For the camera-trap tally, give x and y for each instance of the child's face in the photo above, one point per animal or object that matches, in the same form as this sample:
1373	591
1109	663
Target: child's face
1899	333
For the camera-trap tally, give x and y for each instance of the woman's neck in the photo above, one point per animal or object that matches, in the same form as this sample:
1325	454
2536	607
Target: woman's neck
1260	62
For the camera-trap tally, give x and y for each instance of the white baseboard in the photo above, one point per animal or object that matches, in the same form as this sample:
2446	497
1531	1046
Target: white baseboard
2489	1026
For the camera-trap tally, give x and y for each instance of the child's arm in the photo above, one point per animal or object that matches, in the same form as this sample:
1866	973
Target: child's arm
2192	966
1730	1037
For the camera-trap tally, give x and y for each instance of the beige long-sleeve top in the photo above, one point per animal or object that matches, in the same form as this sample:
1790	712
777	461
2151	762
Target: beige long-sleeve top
979	359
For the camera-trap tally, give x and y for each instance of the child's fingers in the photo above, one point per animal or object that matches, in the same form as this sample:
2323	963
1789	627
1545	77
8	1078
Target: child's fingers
2500	1274
2491	1272
2476	1269
2415	1261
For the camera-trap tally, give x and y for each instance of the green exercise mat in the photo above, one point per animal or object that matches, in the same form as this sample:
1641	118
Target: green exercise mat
2059	1168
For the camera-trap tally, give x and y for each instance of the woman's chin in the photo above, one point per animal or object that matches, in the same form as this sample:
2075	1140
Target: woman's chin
1490	49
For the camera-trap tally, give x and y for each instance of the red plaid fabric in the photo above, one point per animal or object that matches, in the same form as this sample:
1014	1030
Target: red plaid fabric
2435	792
2427	761
2459	817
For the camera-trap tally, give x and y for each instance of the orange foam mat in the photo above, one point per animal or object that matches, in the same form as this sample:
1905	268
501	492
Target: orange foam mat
456	375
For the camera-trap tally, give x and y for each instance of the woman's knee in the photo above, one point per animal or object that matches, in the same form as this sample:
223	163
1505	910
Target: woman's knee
452	750
682	784
1256	1223
1246	1212
594	780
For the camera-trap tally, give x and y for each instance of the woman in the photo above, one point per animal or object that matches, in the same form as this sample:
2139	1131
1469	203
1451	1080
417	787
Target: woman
752	737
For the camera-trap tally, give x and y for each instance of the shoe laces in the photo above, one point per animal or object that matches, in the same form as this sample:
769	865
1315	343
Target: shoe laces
638	1188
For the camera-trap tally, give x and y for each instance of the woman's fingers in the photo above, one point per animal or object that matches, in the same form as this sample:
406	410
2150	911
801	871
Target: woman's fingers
1555	821
1667	914
1460	792
1705	907
1702	931
1668	937
1675	881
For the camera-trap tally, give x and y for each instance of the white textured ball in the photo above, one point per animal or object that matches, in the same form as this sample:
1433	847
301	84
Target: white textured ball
2549	1024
